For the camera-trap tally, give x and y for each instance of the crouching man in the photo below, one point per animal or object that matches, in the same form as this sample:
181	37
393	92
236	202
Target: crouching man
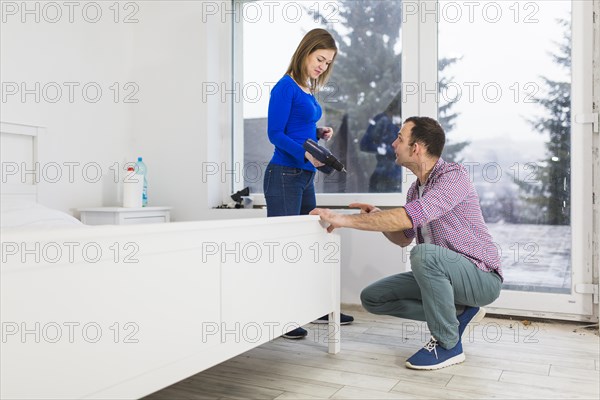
455	264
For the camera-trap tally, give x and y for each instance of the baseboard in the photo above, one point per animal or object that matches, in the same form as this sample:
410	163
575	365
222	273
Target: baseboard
352	307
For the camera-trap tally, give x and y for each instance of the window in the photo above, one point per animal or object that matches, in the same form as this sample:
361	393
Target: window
362	101
512	108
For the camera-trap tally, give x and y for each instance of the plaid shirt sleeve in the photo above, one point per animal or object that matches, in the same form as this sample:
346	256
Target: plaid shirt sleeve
410	196
451	188
450	207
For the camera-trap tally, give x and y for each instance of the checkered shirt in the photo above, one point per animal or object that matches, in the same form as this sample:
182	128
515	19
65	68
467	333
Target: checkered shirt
450	205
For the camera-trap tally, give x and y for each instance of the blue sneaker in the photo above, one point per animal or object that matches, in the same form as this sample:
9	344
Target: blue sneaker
297	333
434	356
344	319
471	314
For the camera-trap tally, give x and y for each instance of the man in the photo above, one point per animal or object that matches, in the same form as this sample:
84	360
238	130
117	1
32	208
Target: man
455	264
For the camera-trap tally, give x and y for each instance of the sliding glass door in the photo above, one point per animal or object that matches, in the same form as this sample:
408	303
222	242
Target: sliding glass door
508	80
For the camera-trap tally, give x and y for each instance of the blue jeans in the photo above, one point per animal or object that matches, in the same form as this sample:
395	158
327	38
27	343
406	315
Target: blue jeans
289	191
440	280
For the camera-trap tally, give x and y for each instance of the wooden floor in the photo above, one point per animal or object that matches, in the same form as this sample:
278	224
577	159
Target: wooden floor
504	359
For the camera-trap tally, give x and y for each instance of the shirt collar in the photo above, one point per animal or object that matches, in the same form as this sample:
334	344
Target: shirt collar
438	167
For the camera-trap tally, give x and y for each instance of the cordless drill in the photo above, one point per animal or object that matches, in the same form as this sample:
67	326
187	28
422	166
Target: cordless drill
323	155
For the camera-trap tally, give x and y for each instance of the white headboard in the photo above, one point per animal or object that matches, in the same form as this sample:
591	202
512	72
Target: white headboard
19	157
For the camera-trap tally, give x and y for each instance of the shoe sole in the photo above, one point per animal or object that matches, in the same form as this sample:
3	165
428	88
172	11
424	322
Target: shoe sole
451	361
326	322
294	337
476	318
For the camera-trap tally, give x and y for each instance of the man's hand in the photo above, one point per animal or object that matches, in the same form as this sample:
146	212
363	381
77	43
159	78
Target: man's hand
370	218
396	237
364	208
334	219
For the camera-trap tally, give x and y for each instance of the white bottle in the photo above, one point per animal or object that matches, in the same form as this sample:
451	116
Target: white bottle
133	187
140	168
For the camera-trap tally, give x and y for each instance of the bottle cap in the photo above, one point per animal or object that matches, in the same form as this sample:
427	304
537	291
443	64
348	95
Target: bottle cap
139	158
130	169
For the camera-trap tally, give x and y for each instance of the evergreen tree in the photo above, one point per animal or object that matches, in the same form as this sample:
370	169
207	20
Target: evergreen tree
367	76
445	115
550	192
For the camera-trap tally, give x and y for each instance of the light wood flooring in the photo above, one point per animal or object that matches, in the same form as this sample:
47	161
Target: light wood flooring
505	359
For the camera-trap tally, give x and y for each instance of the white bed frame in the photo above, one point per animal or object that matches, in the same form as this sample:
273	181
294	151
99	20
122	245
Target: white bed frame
127	310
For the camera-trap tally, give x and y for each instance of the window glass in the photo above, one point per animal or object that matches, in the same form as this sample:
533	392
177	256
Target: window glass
361	101
510	89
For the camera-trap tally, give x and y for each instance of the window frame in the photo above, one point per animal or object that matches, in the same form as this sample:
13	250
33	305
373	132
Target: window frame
327	199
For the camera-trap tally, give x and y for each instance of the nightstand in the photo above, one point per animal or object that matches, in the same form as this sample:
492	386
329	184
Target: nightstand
125	216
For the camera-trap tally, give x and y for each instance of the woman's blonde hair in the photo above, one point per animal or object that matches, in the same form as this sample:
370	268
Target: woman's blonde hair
316	39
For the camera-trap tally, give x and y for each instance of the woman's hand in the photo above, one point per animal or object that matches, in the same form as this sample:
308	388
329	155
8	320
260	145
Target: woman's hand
313	160
324	132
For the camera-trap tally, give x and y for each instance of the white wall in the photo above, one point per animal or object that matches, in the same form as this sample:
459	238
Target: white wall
163	54
92	135
596	155
175	127
366	258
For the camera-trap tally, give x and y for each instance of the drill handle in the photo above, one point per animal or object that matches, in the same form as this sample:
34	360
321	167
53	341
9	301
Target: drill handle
322	154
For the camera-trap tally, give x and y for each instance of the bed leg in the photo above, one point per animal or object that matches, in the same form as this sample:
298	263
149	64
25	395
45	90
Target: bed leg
334	333
334	329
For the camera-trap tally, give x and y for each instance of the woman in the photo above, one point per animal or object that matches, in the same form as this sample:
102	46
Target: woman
293	115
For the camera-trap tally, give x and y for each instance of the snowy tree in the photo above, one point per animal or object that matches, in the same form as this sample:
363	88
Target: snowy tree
550	191
367	76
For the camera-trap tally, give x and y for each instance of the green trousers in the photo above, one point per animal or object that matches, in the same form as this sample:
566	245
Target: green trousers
441	282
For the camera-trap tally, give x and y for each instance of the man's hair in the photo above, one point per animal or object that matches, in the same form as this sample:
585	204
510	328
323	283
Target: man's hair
316	39
428	132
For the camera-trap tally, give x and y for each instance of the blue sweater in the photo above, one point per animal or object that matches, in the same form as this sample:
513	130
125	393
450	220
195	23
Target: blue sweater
293	116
